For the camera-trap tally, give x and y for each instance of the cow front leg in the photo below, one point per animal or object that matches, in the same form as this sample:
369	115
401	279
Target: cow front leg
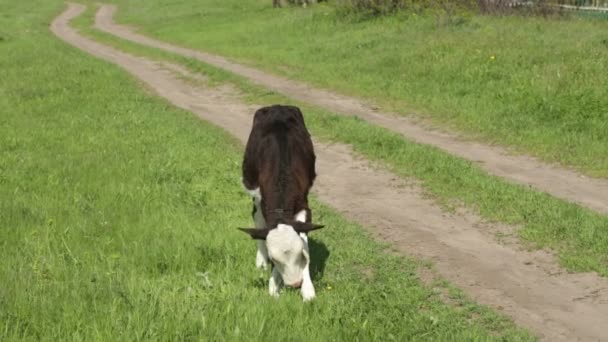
261	257
274	283
307	289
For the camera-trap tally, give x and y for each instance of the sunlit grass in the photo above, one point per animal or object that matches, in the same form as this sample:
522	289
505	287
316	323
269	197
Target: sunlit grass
118	218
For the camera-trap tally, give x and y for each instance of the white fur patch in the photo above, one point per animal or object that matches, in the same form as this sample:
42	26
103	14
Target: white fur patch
255	193
301	216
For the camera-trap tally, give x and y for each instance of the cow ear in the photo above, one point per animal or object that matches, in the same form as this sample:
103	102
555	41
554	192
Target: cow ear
256	233
302	227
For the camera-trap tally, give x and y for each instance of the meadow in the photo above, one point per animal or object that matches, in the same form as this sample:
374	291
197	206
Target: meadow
537	85
118	217
577	236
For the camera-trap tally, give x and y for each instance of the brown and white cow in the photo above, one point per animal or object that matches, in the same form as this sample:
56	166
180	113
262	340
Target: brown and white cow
278	172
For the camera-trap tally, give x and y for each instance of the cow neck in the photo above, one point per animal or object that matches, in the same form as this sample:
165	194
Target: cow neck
279	214
282	180
282	215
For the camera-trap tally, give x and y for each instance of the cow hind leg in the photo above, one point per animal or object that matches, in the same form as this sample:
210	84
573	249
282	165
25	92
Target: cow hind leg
274	283
261	258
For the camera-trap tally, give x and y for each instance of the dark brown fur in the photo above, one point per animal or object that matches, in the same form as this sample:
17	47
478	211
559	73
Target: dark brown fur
280	160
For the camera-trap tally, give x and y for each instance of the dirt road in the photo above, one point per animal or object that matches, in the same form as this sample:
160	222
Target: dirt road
527	286
559	182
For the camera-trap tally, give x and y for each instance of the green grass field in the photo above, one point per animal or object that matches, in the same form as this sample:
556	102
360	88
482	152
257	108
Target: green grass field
118	218
578	236
534	84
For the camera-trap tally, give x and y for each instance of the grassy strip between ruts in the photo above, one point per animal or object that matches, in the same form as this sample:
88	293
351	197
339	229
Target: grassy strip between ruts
578	235
535	84
118	216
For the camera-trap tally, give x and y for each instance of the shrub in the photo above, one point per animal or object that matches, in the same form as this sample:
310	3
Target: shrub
374	7
448	7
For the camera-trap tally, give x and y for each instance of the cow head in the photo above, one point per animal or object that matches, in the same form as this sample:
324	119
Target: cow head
287	250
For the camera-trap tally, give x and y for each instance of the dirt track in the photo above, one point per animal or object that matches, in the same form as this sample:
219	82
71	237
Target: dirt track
527	286
559	182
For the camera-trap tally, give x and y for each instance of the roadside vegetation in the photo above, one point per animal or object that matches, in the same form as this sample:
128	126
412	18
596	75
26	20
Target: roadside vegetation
577	235
118	218
534	83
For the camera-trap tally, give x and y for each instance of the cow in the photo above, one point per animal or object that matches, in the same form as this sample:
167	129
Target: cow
278	172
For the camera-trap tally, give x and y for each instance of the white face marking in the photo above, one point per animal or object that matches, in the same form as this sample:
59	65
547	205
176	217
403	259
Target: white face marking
286	250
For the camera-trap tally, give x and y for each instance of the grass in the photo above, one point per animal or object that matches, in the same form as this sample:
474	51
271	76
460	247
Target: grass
118	216
578	236
533	84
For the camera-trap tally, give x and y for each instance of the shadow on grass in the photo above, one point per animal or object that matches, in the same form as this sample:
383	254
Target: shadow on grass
319	255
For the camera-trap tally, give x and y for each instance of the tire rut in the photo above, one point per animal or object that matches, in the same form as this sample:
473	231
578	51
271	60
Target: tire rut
528	286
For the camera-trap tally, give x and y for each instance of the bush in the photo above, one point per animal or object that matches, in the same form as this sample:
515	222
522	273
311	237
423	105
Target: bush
373	6
382	7
522	7
447	7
